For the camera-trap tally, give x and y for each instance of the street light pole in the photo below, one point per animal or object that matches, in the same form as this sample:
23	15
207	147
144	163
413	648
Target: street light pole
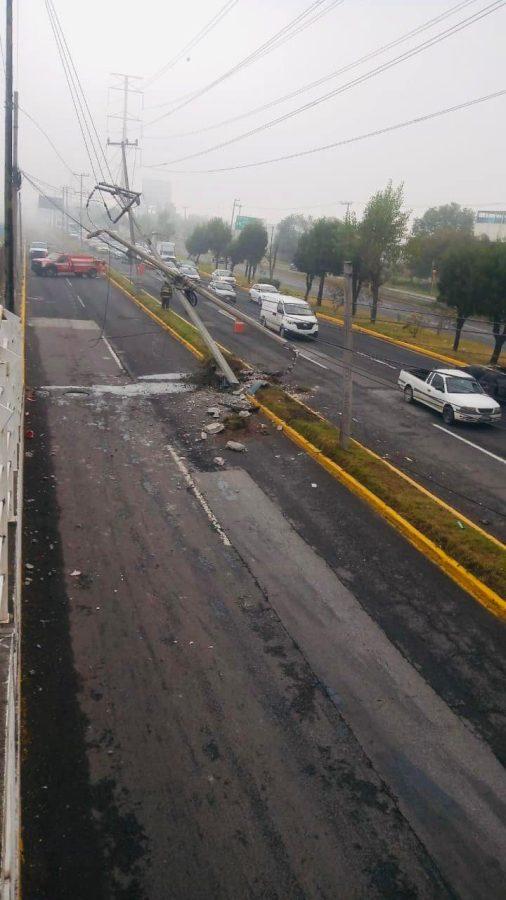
345	430
236	202
8	167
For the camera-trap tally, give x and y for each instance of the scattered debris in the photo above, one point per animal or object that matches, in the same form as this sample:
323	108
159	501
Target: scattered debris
214	411
219	460
313	485
236	445
29	434
75	573
203	435
460	524
29	566
214	428
279	428
235	403
244	414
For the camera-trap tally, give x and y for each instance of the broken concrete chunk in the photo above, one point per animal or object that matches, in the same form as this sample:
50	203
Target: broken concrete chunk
244	414
214	411
236	445
235	403
219	460
214	427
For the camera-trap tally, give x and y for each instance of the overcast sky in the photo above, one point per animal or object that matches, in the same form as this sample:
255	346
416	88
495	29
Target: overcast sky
459	157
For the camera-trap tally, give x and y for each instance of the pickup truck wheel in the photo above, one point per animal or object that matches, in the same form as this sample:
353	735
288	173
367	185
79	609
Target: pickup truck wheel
51	271
448	415
408	394
92	273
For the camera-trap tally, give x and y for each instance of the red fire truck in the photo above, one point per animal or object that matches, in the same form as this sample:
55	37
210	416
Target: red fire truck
68	264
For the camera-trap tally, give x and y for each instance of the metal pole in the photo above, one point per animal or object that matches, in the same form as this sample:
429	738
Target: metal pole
8	212
345	431
171	272
15	189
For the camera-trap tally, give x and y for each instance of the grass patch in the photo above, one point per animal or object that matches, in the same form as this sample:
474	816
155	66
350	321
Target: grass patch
480	556
470	351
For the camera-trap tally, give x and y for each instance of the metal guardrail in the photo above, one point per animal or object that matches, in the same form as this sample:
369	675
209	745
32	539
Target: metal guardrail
11	500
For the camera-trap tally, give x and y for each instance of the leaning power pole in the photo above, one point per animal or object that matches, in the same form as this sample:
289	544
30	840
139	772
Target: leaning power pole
9	240
124	143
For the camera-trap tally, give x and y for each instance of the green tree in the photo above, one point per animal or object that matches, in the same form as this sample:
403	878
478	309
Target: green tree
235	253
252	243
322	254
197	242
289	232
382	230
449	216
493	303
304	260
462	282
423	252
218	236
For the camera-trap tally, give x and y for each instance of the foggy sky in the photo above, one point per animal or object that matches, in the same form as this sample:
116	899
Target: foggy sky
459	157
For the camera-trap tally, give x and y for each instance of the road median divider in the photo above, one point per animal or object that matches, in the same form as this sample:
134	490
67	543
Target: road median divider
475	560
470	556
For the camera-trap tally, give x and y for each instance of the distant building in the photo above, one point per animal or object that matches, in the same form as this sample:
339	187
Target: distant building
156	193
492	224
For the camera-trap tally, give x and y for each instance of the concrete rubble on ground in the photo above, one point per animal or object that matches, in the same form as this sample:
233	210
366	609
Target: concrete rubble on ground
214	428
236	445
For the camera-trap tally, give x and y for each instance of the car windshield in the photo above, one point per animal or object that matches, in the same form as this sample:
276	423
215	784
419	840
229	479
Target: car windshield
221	286
456	385
296	309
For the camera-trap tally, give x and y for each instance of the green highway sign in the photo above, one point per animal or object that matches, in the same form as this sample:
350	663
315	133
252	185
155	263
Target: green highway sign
242	221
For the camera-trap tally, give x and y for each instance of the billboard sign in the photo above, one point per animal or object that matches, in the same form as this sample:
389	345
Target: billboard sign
242	221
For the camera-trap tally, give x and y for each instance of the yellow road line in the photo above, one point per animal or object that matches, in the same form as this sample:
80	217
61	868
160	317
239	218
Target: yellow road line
422	351
476	588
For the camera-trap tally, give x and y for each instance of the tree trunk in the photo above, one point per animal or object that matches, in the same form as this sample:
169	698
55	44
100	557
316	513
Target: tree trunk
272	262
499	341
254	272
320	289
375	299
458	331
309	284
356	287
197	259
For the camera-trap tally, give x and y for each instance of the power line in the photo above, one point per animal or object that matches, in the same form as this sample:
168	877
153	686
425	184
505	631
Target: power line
48	139
346	141
295	26
408	54
229	5
310	85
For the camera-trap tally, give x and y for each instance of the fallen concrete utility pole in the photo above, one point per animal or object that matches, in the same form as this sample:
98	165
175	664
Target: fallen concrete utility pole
172	273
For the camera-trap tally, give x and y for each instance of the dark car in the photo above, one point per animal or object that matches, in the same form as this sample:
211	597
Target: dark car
492	380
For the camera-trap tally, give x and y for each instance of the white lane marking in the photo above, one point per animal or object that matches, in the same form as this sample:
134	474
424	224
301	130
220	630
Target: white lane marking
80	301
310	359
222	312
374	359
69	283
197	494
465	441
113	353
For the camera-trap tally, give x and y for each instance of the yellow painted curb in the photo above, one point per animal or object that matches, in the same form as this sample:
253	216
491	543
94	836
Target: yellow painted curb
390	340
476	588
157	319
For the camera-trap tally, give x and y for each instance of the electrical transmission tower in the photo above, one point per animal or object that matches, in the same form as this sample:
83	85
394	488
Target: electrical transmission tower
125	85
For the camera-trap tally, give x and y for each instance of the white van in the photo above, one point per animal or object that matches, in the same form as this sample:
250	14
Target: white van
288	315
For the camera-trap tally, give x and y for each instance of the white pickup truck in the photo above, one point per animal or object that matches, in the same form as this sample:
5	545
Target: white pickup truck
452	392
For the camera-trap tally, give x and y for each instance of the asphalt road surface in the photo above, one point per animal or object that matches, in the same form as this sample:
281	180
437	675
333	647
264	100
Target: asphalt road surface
238	681
464	464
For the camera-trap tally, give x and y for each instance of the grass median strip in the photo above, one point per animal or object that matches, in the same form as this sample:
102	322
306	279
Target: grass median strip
474	560
481	557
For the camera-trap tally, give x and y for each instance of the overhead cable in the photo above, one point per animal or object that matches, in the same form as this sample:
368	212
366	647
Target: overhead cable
319	81
408	54
228	6
352	140
295	26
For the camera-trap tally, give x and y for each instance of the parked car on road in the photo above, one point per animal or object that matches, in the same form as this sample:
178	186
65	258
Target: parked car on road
223	275
492	380
452	392
288	316
223	290
256	291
